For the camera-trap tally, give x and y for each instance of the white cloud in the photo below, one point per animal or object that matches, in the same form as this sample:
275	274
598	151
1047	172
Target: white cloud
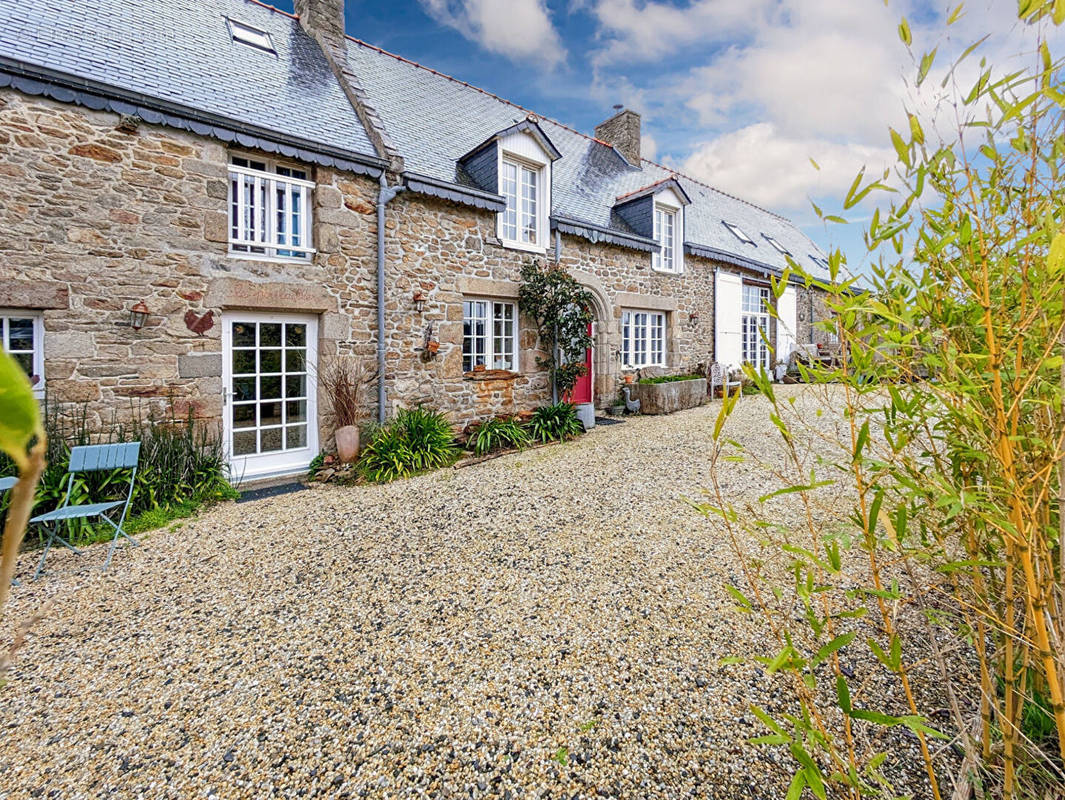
518	29
772	169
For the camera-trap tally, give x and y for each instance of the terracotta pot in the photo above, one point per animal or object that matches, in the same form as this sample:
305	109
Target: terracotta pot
347	443
433	347
629	378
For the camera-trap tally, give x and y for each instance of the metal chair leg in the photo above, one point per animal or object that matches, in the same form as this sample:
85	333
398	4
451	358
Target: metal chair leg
114	543
53	536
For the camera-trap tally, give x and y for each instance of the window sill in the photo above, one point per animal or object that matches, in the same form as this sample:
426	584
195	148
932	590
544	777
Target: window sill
490	375
676	272
528	248
270	259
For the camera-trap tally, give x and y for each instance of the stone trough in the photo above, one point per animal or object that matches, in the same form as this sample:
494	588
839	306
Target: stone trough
665	398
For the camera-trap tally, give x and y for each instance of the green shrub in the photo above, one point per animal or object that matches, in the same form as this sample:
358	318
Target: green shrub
181	463
498	434
416	440
555	423
670	378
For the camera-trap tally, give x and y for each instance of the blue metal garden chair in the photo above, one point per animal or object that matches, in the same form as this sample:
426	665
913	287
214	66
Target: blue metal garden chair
92	458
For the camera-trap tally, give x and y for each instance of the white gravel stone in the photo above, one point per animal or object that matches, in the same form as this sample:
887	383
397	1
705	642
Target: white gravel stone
546	624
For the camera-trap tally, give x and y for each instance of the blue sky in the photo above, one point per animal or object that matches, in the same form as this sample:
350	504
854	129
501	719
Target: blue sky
738	93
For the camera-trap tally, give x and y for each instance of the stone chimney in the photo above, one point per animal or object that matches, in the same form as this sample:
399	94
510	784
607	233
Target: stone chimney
623	131
322	19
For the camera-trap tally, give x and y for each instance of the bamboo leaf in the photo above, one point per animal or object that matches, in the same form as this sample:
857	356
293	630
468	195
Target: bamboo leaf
19	413
827	650
926	64
798	783
904	32
843	694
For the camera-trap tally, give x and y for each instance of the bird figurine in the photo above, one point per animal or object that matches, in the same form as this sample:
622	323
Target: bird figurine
199	324
632	406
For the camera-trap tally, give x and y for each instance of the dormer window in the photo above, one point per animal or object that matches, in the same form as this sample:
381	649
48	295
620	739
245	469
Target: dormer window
246	34
668	228
738	233
520	184
777	245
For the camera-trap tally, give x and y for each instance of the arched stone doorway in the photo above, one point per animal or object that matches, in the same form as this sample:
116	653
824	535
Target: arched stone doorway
605	340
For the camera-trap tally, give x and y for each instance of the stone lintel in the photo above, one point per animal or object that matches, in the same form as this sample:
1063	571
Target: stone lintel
650	302
235	293
34	294
487	287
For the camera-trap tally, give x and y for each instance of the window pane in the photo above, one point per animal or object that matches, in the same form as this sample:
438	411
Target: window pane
529	205
19	335
270	388
295	386
295	436
269	361
244	388
503	337
243	362
270	413
244	443
296	411
244	416
270	440
295	335
243	334
509	190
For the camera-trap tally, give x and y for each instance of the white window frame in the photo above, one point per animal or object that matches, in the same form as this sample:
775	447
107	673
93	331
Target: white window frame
498	349
737	231
643	338
776	245
755	320
675	264
542	201
253	228
8	314
251	36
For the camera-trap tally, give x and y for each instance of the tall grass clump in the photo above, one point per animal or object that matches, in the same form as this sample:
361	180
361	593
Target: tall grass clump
415	440
182	465
946	558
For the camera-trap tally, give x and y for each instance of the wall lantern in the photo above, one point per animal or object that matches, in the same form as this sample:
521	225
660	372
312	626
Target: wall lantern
138	315
693	318
419	300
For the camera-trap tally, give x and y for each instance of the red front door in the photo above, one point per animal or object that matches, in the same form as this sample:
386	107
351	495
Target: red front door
582	391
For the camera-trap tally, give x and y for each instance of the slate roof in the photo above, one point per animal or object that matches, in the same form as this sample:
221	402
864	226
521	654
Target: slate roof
181	51
435	120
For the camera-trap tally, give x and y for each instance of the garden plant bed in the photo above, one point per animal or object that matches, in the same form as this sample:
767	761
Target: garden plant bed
550	624
666	396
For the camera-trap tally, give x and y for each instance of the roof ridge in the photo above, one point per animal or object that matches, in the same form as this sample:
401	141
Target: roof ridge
273	8
677	174
468	85
673	173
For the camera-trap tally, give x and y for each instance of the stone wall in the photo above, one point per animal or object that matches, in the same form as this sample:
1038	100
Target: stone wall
98	217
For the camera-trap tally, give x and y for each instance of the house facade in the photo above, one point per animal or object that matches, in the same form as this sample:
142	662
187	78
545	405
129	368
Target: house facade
210	219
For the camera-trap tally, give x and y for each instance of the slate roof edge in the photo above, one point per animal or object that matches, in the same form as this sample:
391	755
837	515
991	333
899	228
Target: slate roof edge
726	257
424	184
36	80
597	233
638	194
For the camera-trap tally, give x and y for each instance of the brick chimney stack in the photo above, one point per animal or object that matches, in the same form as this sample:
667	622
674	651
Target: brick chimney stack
322	18
623	131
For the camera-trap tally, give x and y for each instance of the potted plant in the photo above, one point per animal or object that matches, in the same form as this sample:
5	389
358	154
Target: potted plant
342	381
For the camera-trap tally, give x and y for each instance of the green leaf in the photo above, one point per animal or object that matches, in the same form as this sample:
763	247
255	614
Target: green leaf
875	717
904	32
926	64
19	414
843	694
1056	257
955	14
798	783
827	650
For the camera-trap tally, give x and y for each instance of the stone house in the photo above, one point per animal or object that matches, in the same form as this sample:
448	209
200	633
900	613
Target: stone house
205	201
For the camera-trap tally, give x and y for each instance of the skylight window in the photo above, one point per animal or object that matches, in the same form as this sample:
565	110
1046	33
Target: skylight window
245	34
821	262
739	234
779	247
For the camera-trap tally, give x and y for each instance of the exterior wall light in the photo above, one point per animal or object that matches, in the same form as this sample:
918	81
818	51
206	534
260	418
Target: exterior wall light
419	300
138	315
693	319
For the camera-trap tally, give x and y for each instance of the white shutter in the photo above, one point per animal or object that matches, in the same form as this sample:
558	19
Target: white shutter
728	311
786	324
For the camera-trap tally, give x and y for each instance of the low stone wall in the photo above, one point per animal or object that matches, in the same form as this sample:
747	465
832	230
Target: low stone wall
665	398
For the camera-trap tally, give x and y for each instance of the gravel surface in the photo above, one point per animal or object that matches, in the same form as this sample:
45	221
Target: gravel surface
546	624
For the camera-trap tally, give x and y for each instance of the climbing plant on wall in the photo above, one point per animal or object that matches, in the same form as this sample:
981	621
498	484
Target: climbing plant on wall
562	311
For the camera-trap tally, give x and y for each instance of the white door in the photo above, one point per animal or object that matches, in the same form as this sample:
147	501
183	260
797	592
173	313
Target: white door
786	324
269	364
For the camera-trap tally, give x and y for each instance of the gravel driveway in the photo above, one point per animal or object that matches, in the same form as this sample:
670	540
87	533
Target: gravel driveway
549	624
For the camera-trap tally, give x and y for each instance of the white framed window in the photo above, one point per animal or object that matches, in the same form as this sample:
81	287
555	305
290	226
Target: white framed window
246	34
643	339
524	221
737	231
755	325
668	230
489	335
269	209
776	245
22	337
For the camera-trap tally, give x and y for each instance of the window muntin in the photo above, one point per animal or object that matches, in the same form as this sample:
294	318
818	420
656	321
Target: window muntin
489	335
738	233
665	230
755	325
643	339
520	185
246	34
22	337
777	245
269	209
